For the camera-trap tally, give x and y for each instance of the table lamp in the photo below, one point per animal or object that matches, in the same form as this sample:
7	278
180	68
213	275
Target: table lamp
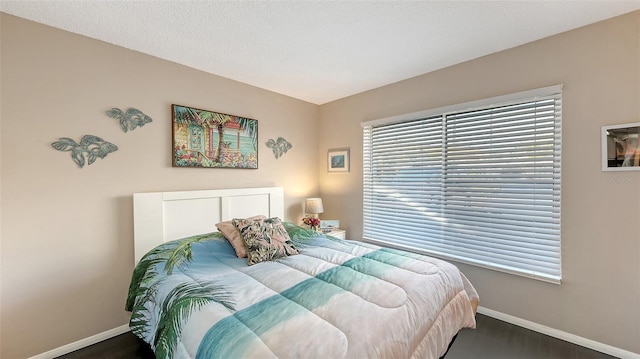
314	206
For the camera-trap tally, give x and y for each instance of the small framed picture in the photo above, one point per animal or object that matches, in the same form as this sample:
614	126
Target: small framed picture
338	160
620	147
329	223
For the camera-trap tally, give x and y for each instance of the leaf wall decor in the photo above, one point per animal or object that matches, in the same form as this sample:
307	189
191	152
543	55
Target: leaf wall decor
279	146
131	119
88	150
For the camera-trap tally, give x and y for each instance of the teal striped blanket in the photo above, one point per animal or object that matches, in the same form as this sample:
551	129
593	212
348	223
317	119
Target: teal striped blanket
193	298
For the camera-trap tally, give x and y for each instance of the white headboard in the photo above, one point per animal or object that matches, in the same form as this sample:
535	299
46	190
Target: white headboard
160	217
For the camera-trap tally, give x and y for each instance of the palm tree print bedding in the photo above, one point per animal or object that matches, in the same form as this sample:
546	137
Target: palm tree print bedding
194	298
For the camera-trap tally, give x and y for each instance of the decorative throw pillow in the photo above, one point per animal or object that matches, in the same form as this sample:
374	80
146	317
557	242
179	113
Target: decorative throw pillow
266	239
231	233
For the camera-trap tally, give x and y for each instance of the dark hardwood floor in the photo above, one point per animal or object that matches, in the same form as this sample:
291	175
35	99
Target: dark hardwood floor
123	346
493	339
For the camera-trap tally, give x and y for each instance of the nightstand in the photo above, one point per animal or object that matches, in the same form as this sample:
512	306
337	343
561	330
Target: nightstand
338	233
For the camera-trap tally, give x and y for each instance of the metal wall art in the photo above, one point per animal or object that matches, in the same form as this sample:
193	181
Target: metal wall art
279	146
131	119
88	150
210	139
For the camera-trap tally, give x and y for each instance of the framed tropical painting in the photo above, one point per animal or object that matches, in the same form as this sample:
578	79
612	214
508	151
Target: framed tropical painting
203	138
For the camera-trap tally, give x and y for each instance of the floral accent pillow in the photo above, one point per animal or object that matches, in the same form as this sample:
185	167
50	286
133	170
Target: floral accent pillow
231	233
266	239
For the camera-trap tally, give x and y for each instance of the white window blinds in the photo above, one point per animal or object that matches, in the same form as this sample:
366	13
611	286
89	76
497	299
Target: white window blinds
479	186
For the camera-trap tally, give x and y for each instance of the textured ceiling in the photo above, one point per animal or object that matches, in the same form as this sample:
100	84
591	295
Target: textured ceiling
317	51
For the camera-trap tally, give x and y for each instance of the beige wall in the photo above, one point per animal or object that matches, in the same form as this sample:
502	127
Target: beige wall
67	233
599	66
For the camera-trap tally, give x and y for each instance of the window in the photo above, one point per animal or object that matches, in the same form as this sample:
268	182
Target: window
474	183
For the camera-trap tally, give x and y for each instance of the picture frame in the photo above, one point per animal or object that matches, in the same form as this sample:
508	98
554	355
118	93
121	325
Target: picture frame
620	147
329	223
338	160
209	139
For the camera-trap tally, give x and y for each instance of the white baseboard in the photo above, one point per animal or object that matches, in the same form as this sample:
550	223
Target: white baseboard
571	338
66	349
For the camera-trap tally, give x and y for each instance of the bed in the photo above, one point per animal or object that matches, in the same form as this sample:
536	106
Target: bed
192	296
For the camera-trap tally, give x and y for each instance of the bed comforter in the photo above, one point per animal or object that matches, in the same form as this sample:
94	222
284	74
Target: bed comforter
193	298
